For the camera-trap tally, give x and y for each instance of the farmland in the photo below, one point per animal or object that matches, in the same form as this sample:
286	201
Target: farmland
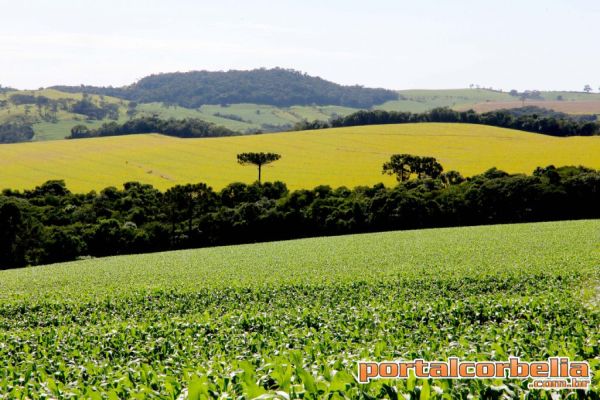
342	156
570	107
56	124
293	318
484	100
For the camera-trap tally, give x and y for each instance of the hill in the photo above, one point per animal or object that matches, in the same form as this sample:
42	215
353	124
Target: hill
340	156
296	316
50	113
278	87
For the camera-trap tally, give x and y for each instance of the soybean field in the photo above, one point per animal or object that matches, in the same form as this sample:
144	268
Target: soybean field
290	320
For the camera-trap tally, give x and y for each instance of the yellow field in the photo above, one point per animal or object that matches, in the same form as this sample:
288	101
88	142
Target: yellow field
342	156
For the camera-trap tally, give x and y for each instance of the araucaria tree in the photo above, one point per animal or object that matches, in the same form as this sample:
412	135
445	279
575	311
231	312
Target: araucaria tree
404	165
258	159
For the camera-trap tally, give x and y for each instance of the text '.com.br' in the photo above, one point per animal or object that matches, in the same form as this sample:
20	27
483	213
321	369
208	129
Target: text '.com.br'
554	373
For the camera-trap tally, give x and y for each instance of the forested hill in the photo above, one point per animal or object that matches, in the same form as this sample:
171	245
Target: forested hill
277	87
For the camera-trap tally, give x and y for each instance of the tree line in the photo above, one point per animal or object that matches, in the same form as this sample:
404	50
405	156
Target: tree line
547	124
50	224
183	128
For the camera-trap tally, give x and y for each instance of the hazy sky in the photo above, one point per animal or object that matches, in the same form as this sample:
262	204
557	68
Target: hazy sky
522	44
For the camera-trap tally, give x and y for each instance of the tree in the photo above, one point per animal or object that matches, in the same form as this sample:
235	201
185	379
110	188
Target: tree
404	165
184	203
427	167
399	165
523	96
451	178
258	159
80	131
587	88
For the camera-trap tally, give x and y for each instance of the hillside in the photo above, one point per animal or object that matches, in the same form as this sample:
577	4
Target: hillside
53	120
278	87
296	316
341	156
51	112
483	100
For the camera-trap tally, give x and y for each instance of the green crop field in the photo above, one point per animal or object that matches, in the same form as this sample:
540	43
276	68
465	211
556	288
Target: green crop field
290	320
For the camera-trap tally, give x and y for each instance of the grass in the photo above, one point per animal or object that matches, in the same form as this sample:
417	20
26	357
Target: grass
59	130
65	120
342	156
483	100
293	318
574	107
247	118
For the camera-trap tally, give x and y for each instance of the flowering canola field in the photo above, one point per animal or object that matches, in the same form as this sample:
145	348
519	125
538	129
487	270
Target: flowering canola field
348	156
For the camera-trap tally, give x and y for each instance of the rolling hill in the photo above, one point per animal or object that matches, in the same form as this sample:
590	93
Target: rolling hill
342	156
252	101
483	100
243	118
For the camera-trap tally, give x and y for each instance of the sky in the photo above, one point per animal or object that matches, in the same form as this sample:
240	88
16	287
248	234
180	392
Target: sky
429	44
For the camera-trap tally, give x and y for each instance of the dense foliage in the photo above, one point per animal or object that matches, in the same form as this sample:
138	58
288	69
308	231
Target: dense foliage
50	224
278	87
405	165
548	124
184	128
15	131
95	111
290	320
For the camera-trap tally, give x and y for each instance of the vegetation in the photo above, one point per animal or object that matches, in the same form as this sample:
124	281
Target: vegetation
278	87
244	117
548	125
186	128
482	99
92	111
50	224
405	165
15	131
540	112
86	106
52	113
291	319
258	159
349	157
